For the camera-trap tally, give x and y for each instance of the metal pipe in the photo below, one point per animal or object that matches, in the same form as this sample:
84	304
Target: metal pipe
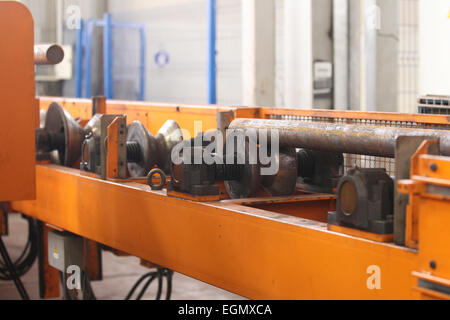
345	138
107	56
48	54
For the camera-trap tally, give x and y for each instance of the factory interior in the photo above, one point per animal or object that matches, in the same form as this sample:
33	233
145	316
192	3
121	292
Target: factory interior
225	150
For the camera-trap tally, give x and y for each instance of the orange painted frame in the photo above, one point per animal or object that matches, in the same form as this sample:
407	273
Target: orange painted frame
428	218
263	254
17	103
252	252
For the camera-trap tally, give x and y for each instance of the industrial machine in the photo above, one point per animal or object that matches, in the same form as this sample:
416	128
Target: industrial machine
358	207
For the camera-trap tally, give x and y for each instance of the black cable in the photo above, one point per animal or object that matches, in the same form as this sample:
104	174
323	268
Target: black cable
147	284
66	294
169	276
15	277
160	285
88	292
28	256
159	274
133	289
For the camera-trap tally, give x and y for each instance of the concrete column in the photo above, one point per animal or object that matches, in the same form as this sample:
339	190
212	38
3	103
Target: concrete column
370	24
258	52
298	59
341	53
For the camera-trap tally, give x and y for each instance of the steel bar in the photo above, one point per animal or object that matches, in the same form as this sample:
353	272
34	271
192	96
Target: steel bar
48	54
345	138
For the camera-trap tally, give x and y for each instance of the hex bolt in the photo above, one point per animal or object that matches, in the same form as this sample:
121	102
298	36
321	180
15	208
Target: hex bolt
433	167
433	264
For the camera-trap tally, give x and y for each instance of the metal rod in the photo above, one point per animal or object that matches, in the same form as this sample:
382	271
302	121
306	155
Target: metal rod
107	56
345	138
48	54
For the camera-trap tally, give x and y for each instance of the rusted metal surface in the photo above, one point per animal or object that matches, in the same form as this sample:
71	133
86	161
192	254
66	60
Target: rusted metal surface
345	138
48	54
283	183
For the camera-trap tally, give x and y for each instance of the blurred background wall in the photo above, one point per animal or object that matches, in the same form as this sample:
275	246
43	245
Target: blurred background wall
344	54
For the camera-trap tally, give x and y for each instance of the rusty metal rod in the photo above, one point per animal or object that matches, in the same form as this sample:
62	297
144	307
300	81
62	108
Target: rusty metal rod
344	138
48	54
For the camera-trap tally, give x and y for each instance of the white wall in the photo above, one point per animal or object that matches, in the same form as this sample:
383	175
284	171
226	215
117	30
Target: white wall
178	27
434	44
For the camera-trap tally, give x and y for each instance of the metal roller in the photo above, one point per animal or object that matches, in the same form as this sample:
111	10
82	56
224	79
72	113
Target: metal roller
345	138
62	133
48	54
283	183
166	139
144	151
141	150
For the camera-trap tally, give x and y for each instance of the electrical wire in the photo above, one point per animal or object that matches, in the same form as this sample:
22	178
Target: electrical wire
169	277
150	277
28	256
13	271
10	267
138	282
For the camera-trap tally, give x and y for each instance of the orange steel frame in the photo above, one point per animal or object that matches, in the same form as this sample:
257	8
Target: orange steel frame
263	248
17	103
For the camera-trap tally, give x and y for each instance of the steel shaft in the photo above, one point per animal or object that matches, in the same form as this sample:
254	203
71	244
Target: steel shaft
344	138
48	54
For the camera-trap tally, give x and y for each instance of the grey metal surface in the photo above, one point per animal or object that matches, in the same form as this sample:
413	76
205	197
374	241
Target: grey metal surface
64	250
138	133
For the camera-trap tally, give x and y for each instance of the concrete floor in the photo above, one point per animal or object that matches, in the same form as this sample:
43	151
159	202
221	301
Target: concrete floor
119	273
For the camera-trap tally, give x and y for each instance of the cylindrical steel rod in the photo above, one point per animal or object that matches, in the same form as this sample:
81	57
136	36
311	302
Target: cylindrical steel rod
48	54
345	138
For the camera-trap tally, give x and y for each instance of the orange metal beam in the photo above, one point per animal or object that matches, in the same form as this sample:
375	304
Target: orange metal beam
370	117
17	103
252	252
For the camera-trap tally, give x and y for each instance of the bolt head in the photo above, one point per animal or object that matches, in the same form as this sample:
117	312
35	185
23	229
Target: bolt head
433	264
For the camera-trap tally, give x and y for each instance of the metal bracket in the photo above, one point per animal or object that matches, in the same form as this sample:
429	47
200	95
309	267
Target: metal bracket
406	147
